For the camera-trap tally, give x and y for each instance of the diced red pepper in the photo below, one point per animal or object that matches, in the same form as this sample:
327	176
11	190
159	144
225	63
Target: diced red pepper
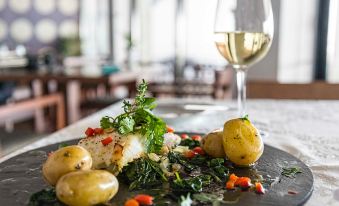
259	188
233	177
243	182
98	131
169	129
144	199
89	132
184	136
230	185
106	141
190	154
199	150
131	202
196	137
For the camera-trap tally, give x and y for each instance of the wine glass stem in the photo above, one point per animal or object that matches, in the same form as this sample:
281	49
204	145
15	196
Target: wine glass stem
241	86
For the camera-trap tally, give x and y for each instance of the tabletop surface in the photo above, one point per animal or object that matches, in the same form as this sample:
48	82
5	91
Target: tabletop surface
308	130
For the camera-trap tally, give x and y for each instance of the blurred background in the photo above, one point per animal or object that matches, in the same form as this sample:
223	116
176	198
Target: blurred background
61	60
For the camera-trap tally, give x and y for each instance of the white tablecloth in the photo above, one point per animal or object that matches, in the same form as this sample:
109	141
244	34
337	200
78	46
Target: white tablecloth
308	130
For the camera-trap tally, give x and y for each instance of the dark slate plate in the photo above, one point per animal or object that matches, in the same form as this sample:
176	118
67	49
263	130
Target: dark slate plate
21	176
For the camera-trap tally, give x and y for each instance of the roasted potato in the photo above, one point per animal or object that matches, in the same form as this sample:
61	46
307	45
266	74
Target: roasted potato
242	142
65	160
212	143
89	187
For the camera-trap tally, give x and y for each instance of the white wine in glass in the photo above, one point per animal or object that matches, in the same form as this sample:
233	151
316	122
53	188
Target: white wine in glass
243	34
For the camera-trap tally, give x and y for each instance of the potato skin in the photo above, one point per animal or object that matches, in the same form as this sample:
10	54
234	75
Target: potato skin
65	160
242	142
89	187
212	144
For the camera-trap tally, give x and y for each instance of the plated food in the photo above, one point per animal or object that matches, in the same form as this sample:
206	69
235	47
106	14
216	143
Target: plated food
138	149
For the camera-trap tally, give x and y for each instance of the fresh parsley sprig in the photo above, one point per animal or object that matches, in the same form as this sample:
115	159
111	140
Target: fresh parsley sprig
138	118
291	172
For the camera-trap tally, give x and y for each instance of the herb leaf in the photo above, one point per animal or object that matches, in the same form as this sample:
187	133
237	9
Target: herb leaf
126	125
44	197
190	184
106	122
138	118
62	145
142	173
291	172
245	117
185	201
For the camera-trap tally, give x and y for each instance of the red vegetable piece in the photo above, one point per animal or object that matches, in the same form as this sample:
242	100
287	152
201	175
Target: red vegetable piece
199	150
190	154
144	199
169	129
106	141
89	132
98	131
243	182
131	202
184	136
196	137
230	185
233	177
259	188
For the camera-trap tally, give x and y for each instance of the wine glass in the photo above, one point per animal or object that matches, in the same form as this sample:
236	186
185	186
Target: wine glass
243	32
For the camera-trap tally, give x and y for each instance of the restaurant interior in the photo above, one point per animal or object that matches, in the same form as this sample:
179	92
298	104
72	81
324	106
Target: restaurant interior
65	60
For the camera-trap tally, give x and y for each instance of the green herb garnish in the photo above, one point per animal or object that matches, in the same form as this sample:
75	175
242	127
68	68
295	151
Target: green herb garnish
190	143
143	173
245	118
291	172
44	197
190	184
185	201
63	145
138	118
213	199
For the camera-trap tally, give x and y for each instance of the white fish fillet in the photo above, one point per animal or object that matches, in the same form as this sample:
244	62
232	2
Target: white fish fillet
118	153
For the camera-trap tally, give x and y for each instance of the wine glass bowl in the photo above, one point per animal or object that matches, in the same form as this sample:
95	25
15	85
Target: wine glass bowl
243	33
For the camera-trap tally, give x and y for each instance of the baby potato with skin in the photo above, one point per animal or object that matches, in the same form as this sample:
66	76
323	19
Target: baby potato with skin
86	188
212	144
242	142
65	160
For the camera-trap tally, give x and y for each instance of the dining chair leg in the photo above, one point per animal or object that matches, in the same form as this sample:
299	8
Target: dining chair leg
73	101
39	112
60	115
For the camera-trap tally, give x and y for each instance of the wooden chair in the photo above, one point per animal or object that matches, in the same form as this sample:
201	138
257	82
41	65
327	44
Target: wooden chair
275	90
38	103
220	89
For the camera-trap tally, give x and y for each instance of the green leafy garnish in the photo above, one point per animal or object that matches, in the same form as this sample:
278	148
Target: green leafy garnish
44	197
138	118
214	199
291	172
180	159
245	118
185	201
63	145
190	143
190	184
217	168
143	173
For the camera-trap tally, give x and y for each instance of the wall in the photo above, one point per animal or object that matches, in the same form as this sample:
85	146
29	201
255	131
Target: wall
37	23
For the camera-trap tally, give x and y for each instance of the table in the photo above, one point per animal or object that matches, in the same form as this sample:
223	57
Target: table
68	84
307	129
